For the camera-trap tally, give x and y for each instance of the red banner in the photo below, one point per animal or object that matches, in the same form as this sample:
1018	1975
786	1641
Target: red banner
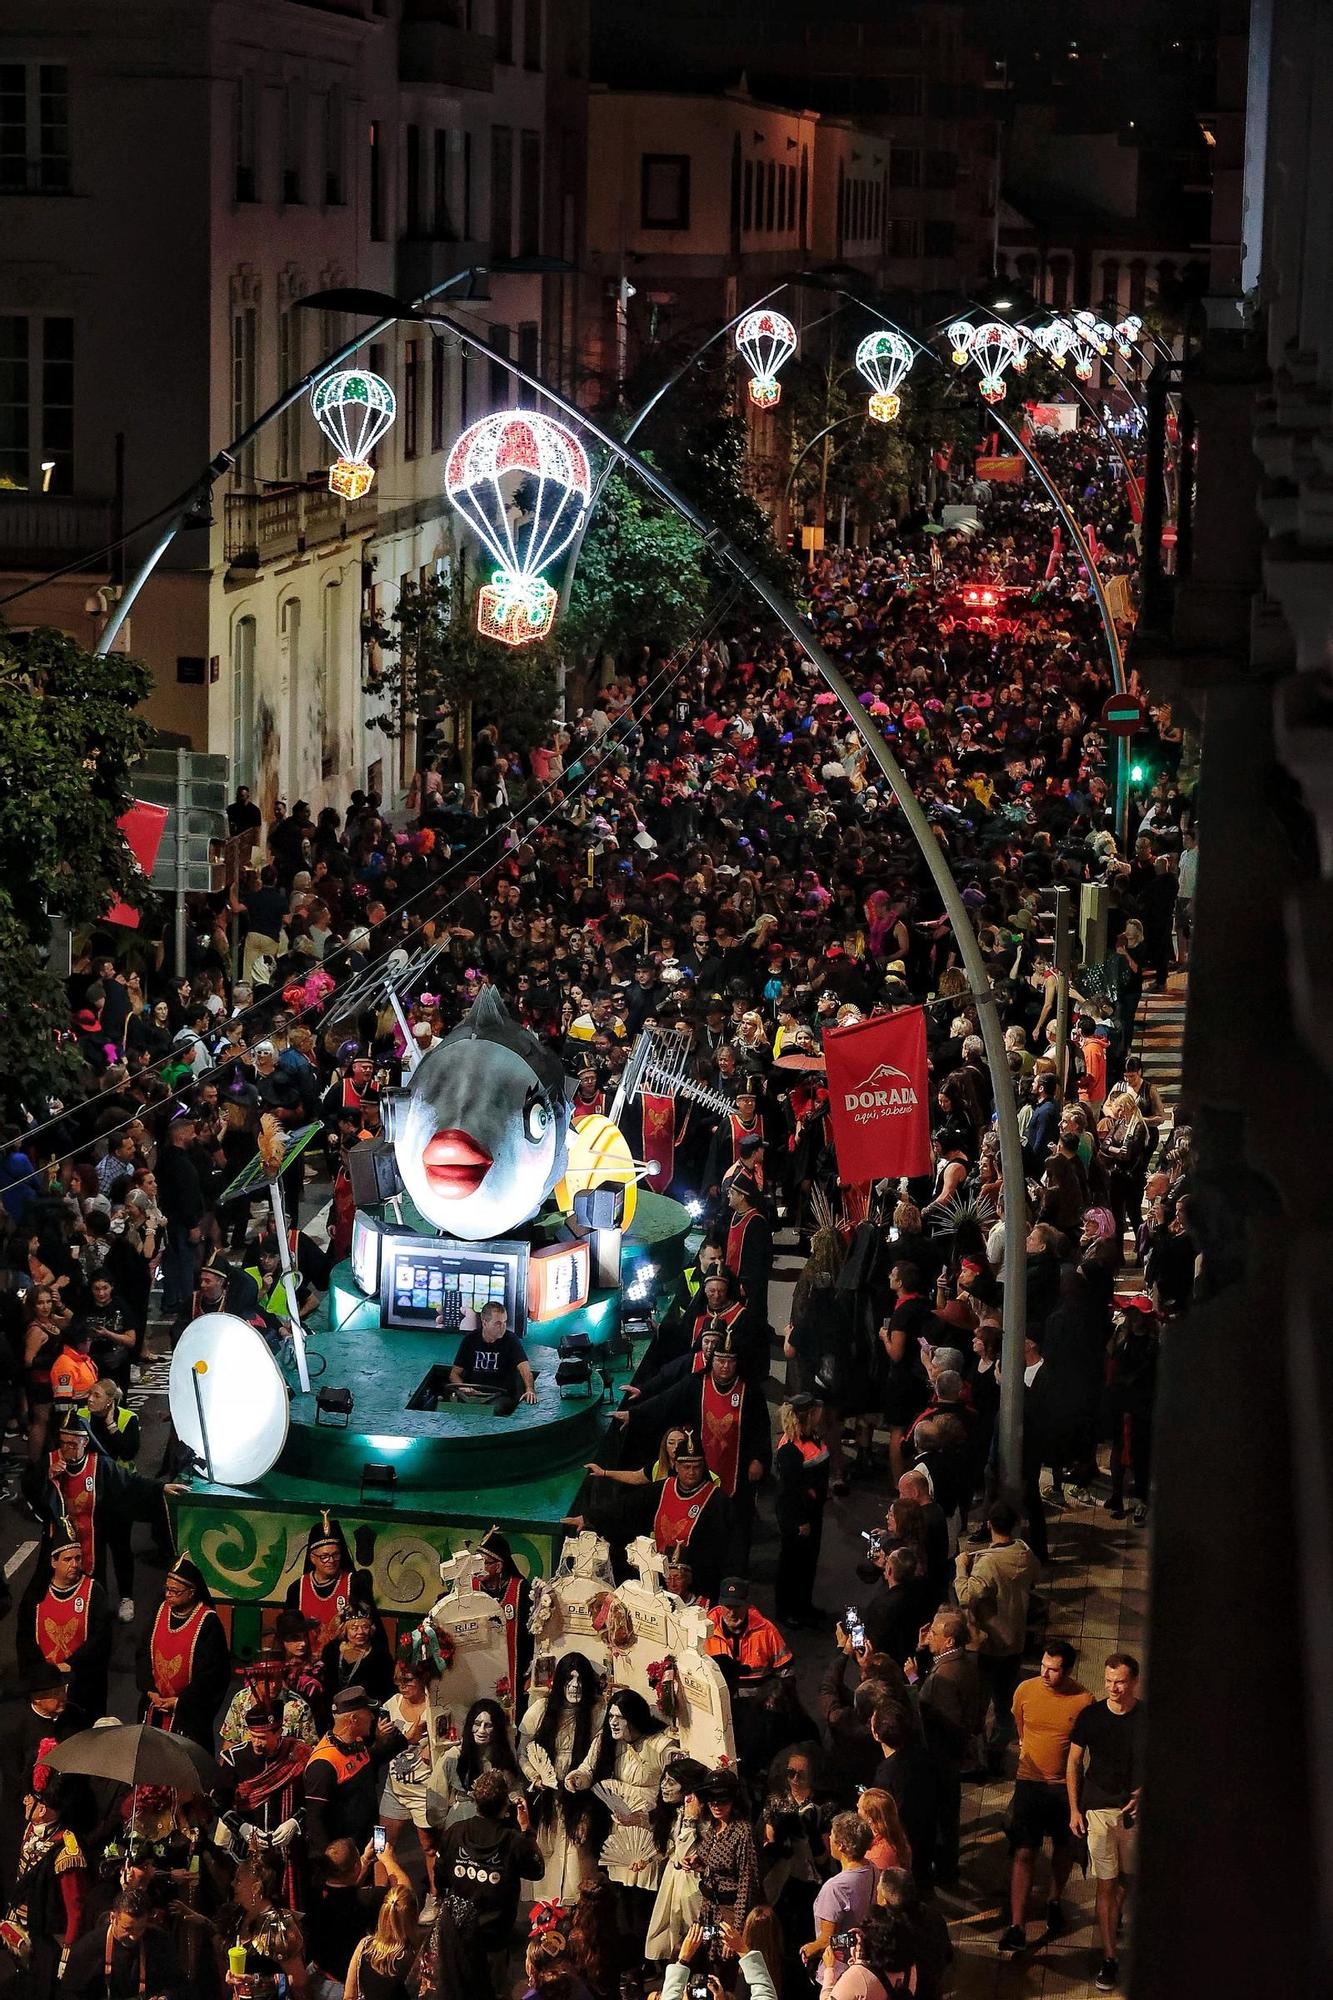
143	826
659	1140
879	1096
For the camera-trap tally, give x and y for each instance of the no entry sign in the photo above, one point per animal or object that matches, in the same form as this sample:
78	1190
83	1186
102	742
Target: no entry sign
1124	714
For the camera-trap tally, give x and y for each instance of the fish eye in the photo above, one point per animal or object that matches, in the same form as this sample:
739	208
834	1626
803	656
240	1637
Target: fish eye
536	1119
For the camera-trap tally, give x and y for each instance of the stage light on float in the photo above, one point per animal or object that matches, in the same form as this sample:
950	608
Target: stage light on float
884	358
767	341
354	409
521	482
228	1401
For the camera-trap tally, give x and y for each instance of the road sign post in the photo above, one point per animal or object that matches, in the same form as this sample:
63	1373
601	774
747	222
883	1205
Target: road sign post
193	786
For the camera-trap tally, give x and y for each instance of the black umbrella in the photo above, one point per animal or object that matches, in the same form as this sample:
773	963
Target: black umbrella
134	1753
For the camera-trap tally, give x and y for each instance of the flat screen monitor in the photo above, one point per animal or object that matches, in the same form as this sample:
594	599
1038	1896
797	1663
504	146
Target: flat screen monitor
558	1279
426	1281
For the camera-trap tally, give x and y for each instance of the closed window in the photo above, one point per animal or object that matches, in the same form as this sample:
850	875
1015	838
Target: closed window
244	365
293	143
665	190
504	31
502	191
244	186
437	394
529	193
375	138
938	239
410	415
333	148
412	179
34	128
904	167
747	196
442	221
532	34
289	373
501	381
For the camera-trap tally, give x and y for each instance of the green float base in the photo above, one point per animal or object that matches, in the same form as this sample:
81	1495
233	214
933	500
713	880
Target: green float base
456	1471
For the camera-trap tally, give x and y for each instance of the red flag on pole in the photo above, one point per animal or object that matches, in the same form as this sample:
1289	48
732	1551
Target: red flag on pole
143	826
659	1139
879	1096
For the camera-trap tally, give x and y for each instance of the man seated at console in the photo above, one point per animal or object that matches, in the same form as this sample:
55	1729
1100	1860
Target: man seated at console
491	1357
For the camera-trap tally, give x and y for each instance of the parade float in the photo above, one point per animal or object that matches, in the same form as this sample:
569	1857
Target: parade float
480	1187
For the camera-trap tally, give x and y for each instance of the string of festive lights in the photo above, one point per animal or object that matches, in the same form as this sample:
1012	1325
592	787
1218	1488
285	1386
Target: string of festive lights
354	409
521	482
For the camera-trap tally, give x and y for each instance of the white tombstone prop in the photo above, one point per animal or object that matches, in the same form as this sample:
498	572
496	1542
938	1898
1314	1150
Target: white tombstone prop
635	1633
468	1628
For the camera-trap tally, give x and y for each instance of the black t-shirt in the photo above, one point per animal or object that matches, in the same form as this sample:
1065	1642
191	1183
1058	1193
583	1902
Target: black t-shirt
489	1364
1116	1744
338	1919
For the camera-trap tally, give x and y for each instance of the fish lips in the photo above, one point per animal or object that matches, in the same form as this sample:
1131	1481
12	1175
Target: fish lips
455	1164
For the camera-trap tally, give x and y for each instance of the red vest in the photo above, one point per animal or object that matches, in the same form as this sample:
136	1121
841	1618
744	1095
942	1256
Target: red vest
678	1514
326	1608
736	1238
721	1431
62	1622
172	1649
77	1487
739	1132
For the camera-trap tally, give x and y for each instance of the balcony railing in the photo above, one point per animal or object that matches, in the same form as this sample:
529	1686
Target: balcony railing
38	526
287	520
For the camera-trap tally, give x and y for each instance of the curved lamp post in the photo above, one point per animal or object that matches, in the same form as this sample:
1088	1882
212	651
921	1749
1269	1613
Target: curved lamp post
1010	1428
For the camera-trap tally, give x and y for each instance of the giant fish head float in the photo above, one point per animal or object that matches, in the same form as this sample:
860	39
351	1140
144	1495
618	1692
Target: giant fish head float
480	1134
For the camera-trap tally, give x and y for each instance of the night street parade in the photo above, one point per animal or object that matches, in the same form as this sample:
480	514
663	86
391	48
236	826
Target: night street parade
660	1277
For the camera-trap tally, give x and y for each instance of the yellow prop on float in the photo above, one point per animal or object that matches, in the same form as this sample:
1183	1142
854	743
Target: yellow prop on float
599	1156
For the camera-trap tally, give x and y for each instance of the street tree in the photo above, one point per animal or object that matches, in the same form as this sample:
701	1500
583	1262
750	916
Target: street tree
69	734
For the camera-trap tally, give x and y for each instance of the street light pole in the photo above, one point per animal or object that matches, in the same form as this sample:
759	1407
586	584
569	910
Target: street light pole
1010	1425
195	501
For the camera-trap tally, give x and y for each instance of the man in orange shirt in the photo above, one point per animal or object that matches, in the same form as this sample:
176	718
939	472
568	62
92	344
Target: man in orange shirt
1045	1709
743	1635
1092	1056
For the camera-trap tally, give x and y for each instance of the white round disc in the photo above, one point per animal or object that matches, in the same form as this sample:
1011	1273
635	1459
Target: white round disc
244	1397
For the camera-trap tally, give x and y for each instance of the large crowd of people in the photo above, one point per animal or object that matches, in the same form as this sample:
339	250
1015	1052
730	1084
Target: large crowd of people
705	848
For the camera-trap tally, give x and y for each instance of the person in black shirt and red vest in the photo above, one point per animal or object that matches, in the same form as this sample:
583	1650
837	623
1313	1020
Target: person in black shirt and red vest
502	1579
328	1586
64	1622
184	1664
691	1519
729	1141
749	1243
730	1419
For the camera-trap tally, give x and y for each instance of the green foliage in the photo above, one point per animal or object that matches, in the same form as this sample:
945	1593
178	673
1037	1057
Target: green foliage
698	442
68	738
640	576
433	657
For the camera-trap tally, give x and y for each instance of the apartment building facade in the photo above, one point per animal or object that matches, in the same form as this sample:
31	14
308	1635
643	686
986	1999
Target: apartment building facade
175	180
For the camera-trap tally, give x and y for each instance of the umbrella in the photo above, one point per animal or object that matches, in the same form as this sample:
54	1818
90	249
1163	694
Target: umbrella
134	1753
800	1062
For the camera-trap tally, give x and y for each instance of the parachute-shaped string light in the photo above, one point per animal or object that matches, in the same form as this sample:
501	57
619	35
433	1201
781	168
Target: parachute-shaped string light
1095	331
994	348
884	358
353	408
767	340
1055	340
521	481
1023	338
1125	333
959	336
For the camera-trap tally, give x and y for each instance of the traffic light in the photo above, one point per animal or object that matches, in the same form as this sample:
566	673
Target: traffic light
1057	932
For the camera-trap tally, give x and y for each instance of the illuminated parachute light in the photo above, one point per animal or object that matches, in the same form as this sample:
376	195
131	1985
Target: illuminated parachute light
960	337
884	359
1125	333
1023	336
767	340
353	408
526	521
1055	340
994	348
1095	331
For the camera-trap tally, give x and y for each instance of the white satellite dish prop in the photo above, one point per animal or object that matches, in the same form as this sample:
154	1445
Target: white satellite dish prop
228	1400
